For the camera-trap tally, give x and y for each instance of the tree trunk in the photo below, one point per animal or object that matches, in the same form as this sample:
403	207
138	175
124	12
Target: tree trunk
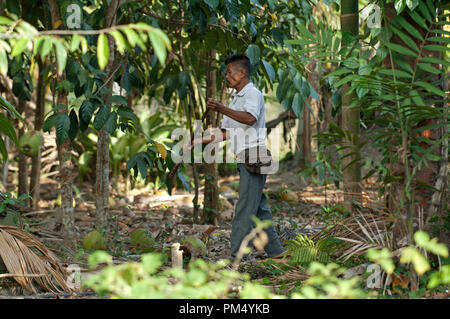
350	117
306	137
211	192
65	160
38	121
102	165
23	160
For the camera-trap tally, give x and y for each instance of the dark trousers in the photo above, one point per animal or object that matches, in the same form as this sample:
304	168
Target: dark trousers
252	202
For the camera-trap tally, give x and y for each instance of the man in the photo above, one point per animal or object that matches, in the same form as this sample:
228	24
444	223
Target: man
245	114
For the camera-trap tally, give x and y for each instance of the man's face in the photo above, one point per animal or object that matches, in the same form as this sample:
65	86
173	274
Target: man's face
235	74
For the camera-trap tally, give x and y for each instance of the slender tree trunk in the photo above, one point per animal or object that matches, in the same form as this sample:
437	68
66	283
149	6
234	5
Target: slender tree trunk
306	137
66	175
192	107
211	192
314	78
299	156
350	117
23	159
38	121
5	168
102	165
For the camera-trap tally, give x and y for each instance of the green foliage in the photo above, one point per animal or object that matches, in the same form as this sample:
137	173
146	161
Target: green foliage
398	86
146	280
325	283
12	217
383	258
303	250
323	170
6	127
413	255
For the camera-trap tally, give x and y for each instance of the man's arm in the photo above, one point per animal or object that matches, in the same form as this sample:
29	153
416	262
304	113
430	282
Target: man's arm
222	136
240	116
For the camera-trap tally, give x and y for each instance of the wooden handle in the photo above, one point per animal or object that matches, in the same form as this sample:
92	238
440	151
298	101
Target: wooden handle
175	168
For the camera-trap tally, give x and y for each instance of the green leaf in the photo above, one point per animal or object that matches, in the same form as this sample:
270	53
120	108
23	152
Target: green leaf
99	257
423	8
7	128
429	68
76	40
435	47
339	71
49	123
412	4
441	277
405	38
305	32
269	69
212	3
102	51
62	127
431	88
297	104
86	111
412	255
3	63
253	54
298	42
131	36
158	45
111	123
418	19
73	130
346	79
120	40
61	55
399	5
142	167
45	48
423	240
131	162
435	61
19	47
5	21
101	117
400	49
117	99
183	87
407	26
3	151
398	73
439	39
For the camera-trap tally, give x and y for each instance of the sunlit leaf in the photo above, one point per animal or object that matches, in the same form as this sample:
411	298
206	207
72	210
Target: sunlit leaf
102	51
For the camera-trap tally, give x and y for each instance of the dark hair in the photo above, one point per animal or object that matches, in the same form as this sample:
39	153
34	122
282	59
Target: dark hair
242	60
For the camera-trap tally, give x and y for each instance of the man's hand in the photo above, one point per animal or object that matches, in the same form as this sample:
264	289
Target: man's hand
240	116
214	105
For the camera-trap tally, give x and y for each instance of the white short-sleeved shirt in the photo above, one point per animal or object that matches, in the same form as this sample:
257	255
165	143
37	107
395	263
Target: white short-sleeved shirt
244	136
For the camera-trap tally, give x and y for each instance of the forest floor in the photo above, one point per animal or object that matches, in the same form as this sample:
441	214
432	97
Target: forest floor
169	219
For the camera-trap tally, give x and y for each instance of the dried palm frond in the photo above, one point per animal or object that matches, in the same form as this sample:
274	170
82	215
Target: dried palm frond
24	255
366	229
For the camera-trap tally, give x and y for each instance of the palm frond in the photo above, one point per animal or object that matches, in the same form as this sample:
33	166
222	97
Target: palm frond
366	229
304	250
23	254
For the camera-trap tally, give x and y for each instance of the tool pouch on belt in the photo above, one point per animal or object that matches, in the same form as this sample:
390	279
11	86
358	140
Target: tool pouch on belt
254	158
